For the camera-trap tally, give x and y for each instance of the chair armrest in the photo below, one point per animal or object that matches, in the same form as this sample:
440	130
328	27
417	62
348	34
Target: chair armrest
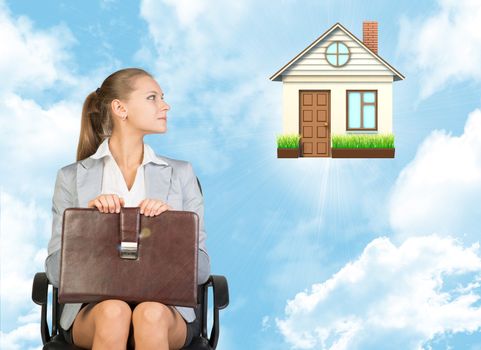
221	300
221	291
40	296
40	288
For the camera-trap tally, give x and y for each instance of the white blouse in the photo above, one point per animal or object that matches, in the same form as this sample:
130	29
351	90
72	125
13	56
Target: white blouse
113	181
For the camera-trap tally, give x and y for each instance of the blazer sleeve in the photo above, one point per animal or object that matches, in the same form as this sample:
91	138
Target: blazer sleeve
194	201
62	199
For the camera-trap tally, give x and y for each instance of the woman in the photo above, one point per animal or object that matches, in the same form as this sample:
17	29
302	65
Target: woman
115	168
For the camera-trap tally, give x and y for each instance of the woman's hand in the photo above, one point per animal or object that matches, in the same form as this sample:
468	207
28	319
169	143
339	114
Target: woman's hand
152	207
107	203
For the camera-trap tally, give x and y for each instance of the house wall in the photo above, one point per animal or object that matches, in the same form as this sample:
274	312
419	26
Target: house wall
337	85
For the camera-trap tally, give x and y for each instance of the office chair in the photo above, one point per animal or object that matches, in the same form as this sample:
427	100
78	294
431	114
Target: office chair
55	341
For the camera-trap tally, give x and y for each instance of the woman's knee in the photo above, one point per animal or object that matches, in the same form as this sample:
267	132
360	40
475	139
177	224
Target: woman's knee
152	313
107	321
112	317
113	310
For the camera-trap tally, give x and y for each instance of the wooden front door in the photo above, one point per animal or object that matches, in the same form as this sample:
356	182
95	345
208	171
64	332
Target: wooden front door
314	123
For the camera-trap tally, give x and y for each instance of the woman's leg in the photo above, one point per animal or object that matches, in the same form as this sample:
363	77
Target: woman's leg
158	326
103	325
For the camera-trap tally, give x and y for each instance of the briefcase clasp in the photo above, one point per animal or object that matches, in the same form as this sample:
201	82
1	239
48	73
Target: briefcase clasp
129	250
129	232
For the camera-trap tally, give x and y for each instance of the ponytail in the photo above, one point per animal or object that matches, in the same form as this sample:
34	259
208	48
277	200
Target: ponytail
96	122
90	133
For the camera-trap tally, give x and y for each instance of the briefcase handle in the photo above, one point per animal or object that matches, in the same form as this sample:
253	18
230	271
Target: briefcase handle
129	232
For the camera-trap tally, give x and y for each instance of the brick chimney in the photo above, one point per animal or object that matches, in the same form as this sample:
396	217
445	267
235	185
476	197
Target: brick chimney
369	35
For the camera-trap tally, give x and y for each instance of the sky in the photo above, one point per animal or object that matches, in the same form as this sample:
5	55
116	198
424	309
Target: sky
319	253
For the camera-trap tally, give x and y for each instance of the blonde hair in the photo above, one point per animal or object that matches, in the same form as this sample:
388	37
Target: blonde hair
96	122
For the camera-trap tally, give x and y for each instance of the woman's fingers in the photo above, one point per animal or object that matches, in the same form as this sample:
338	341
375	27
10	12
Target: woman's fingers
142	205
116	203
98	204
106	203
148	207
112	203
155	208
151	207
162	208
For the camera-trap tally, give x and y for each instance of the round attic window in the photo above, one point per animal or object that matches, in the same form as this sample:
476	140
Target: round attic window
337	54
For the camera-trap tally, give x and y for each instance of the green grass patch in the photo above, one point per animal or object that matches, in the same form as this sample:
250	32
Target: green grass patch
288	141
363	141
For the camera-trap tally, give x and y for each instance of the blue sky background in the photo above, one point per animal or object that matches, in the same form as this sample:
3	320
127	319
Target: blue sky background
318	253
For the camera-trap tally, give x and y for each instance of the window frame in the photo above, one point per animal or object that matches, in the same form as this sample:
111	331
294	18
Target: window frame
362	110
337	42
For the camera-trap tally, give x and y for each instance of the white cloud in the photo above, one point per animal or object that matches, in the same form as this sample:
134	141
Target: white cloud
401	295
189	39
187	11
445	47
27	334
22	227
33	315
23	337
31	133
37	63
439	190
32	59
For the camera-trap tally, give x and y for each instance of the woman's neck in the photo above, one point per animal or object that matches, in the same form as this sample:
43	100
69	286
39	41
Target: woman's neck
127	152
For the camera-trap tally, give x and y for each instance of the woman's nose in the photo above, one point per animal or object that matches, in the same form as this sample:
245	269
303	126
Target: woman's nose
164	106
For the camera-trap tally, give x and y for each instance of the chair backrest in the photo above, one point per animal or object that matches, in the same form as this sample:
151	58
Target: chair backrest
200	187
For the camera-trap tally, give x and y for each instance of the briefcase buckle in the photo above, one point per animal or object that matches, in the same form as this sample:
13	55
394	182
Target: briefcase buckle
129	232
129	250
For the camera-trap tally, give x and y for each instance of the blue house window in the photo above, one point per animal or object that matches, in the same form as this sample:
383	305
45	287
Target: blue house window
361	109
337	54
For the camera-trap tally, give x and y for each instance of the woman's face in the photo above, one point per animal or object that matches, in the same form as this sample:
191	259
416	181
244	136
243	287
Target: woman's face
145	108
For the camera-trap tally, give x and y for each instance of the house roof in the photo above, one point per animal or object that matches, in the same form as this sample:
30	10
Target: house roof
277	75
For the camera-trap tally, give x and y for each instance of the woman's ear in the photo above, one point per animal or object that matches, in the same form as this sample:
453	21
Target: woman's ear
119	108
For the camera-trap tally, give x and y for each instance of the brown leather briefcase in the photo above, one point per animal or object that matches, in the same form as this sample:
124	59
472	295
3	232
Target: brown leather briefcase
129	256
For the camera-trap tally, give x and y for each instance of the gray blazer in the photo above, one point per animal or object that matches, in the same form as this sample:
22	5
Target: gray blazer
78	183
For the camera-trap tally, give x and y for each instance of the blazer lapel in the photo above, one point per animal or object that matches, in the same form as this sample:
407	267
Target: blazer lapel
89	180
157	180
